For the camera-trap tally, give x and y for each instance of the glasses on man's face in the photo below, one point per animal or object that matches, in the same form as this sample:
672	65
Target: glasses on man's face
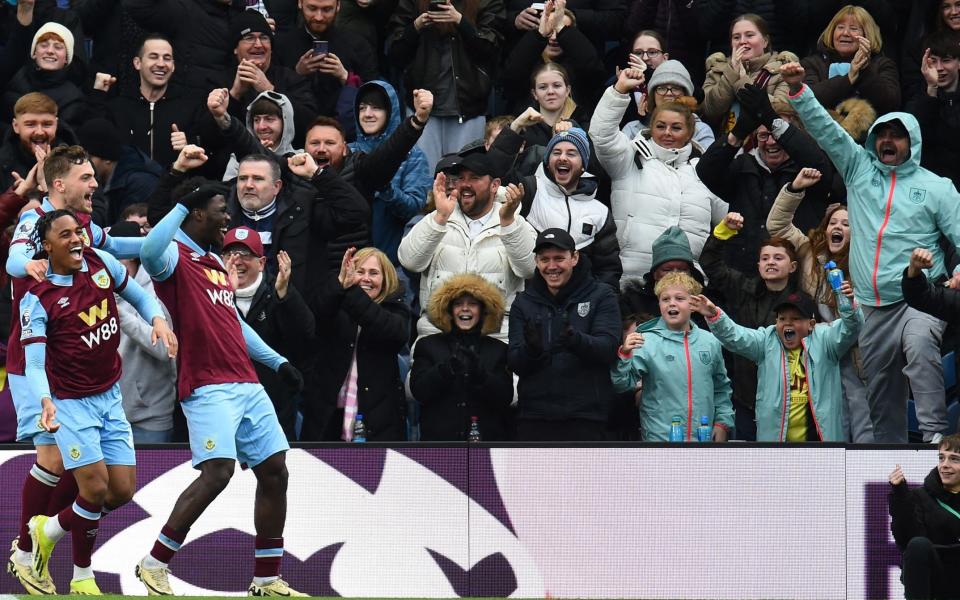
252	38
663	90
648	53
763	136
242	254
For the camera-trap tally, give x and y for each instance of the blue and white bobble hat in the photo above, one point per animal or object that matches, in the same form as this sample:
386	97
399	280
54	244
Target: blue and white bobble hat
575	136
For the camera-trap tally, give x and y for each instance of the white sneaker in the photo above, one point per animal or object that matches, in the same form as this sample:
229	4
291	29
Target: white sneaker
936	439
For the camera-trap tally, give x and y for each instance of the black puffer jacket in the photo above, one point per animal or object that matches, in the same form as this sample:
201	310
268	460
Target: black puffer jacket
570	378
199	30
933	299
474	49
918	513
461	374
449	398
384	329
750	188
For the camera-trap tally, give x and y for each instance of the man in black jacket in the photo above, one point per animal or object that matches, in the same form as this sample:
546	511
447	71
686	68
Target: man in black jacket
750	181
564	333
925	523
345	57
154	114
313	206
368	173
274	309
257	72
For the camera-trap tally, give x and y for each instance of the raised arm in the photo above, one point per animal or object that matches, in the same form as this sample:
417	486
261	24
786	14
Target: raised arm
842	149
748	343
159	254
613	148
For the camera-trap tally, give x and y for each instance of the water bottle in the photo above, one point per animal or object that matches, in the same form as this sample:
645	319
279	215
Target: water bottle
835	277
676	430
359	430
474	434
704	432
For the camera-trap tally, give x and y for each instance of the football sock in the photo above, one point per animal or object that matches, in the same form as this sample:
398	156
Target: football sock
37	490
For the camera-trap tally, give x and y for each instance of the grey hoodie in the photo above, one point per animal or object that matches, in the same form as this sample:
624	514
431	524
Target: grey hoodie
286	139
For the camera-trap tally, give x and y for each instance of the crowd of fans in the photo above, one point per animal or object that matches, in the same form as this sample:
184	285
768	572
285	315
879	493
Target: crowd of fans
570	220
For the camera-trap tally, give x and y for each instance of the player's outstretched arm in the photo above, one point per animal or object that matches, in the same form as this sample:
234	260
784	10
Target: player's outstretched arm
258	349
20	261
158	253
122	247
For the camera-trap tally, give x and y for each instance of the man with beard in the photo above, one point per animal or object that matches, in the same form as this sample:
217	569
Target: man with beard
34	129
471	231
750	181
70	177
895	205
346	56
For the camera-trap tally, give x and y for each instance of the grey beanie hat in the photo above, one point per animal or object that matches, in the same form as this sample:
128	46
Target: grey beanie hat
671	71
575	136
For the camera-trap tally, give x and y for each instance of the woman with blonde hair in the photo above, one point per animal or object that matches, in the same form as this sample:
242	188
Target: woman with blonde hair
462	372
752	60
653	176
364	323
829	241
848	63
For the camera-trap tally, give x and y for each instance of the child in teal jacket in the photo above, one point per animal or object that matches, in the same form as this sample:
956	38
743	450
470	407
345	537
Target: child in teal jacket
681	366
799	395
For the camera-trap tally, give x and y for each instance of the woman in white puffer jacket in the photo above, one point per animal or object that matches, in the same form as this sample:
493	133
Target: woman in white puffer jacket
655	184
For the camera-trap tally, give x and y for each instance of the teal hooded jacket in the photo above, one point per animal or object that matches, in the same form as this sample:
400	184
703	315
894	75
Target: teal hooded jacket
683	375
822	351
892	210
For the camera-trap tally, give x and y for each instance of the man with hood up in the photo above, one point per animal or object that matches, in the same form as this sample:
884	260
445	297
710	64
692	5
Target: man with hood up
378	115
270	119
895	205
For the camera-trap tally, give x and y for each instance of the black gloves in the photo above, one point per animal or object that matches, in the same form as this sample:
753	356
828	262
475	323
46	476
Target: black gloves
290	377
755	101
744	126
533	337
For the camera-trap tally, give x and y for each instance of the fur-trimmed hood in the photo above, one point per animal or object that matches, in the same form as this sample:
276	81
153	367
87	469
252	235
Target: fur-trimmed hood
489	296
856	116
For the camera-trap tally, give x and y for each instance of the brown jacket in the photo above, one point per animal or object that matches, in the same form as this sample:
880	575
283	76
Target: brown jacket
723	82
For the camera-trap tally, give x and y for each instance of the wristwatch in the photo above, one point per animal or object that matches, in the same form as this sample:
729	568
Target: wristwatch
779	127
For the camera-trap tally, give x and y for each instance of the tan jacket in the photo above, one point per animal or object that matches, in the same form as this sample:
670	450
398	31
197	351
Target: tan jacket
723	82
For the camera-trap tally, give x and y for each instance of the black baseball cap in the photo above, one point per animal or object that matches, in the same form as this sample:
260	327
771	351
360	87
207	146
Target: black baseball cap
800	301
477	162
447	162
555	237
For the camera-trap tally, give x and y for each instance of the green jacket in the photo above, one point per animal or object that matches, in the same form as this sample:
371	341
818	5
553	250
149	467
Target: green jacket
892	209
683	375
822	351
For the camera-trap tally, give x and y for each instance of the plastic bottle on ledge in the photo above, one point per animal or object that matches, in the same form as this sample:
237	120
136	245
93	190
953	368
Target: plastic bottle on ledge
704	432
676	429
359	430
835	277
474	434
